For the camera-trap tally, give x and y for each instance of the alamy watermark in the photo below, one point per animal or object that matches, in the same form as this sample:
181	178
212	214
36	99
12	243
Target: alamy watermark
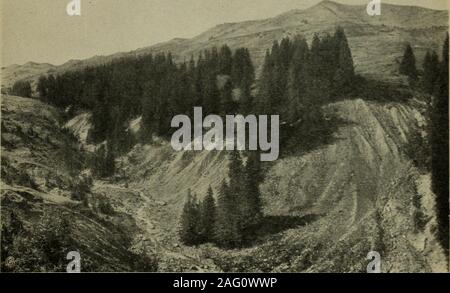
235	136
374	8
374	266
74	266
74	8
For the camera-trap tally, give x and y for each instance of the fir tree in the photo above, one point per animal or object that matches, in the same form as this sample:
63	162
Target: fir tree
211	96
265	102
243	76
227	104
225	60
430	71
190	221
208	217
345	71
440	148
227	232
408	63
252	211
298	81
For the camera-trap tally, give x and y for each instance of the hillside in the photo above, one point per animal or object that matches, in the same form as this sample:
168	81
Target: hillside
38	177
363	186
356	192
361	192
376	42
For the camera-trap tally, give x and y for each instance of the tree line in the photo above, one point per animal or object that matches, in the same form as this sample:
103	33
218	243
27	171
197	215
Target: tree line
296	78
153	86
434	81
232	220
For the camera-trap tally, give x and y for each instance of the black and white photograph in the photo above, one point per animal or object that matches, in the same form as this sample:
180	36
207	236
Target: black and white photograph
224	136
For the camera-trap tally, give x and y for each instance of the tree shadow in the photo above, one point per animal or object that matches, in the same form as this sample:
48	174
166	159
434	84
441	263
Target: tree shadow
383	91
299	140
272	225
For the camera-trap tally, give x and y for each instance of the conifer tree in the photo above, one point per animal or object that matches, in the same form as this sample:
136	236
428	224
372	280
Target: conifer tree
298	81
345	71
236	172
265	102
190	221
252	205
243	76
225	60
227	232
227	104
211	96
149	111
208	217
408	63
440	149
430	71
237	191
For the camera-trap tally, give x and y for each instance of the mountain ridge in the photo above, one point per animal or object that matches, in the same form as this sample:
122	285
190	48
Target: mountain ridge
396	26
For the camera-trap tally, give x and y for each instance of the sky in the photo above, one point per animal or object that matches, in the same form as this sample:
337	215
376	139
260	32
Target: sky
41	30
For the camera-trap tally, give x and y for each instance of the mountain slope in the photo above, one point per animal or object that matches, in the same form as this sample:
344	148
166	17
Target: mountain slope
364	187
325	210
39	160
359	193
376	42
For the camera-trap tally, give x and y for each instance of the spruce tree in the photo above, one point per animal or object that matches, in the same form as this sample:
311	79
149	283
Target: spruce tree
225	60
208	217
238	196
227	232
150	108
211	96
345	71
408	63
243	76
227	104
430	71
190	221
252	205
236	172
265	99
440	148
297	82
